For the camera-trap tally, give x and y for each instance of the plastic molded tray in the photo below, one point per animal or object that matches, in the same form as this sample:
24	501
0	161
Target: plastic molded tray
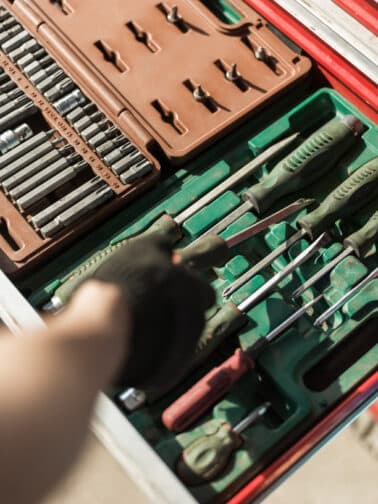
300	399
132	58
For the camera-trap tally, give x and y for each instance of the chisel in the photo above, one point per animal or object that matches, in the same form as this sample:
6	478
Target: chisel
357	243
332	309
166	225
204	460
307	163
349	196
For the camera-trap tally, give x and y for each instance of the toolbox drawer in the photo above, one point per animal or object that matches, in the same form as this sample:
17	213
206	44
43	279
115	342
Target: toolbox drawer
315	379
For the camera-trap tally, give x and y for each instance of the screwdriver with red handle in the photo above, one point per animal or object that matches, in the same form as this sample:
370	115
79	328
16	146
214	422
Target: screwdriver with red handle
213	386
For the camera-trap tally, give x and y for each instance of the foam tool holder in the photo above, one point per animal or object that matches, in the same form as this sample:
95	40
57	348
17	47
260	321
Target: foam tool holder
109	97
263	382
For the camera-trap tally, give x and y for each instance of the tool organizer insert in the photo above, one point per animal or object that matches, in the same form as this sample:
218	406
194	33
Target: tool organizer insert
308	369
86	84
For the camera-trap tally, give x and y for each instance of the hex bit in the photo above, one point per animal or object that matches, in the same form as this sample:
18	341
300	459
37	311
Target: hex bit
37	65
46	77
29	47
41	176
23	150
9	139
60	89
118	153
140	170
16	41
127	162
38	165
82	207
47	214
50	185
69	102
16	116
10	96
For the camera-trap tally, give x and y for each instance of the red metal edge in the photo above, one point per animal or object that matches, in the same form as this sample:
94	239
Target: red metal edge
286	461
364	90
373	410
365	11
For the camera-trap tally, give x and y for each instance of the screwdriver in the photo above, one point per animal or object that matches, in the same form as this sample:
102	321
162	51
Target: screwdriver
345	199
349	196
306	164
332	309
214	251
220	380
205	459
357	243
166	225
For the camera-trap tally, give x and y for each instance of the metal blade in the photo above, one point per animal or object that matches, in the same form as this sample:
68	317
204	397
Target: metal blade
331	310
328	267
251	418
263	263
265	289
282	214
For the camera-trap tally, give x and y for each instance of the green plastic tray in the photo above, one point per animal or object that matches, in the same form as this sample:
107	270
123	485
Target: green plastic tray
283	375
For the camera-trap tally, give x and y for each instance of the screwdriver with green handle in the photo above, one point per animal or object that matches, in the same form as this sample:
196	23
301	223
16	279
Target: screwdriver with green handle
165	225
308	162
299	169
348	197
206	458
364	180
357	243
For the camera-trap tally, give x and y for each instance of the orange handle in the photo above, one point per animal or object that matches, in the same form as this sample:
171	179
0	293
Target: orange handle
206	392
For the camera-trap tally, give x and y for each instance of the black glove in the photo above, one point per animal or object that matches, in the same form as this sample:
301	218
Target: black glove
167	304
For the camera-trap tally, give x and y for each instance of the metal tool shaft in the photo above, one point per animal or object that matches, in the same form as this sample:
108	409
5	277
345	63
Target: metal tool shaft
264	290
332	309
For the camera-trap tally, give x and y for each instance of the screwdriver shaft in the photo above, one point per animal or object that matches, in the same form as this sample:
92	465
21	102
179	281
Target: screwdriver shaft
278	277
332	309
266	261
328	267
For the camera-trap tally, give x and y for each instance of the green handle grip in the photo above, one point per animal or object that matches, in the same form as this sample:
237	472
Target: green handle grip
206	457
361	240
164	226
227	321
209	252
307	163
348	197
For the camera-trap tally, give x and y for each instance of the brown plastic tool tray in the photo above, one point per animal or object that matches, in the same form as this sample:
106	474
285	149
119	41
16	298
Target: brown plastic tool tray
131	57
165	84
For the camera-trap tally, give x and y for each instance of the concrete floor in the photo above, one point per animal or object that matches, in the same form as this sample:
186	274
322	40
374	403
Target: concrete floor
343	472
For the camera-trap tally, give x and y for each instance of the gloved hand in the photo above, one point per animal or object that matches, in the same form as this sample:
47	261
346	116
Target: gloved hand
167	304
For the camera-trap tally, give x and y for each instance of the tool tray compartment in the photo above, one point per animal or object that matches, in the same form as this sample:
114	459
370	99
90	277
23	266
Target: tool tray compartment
308	371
